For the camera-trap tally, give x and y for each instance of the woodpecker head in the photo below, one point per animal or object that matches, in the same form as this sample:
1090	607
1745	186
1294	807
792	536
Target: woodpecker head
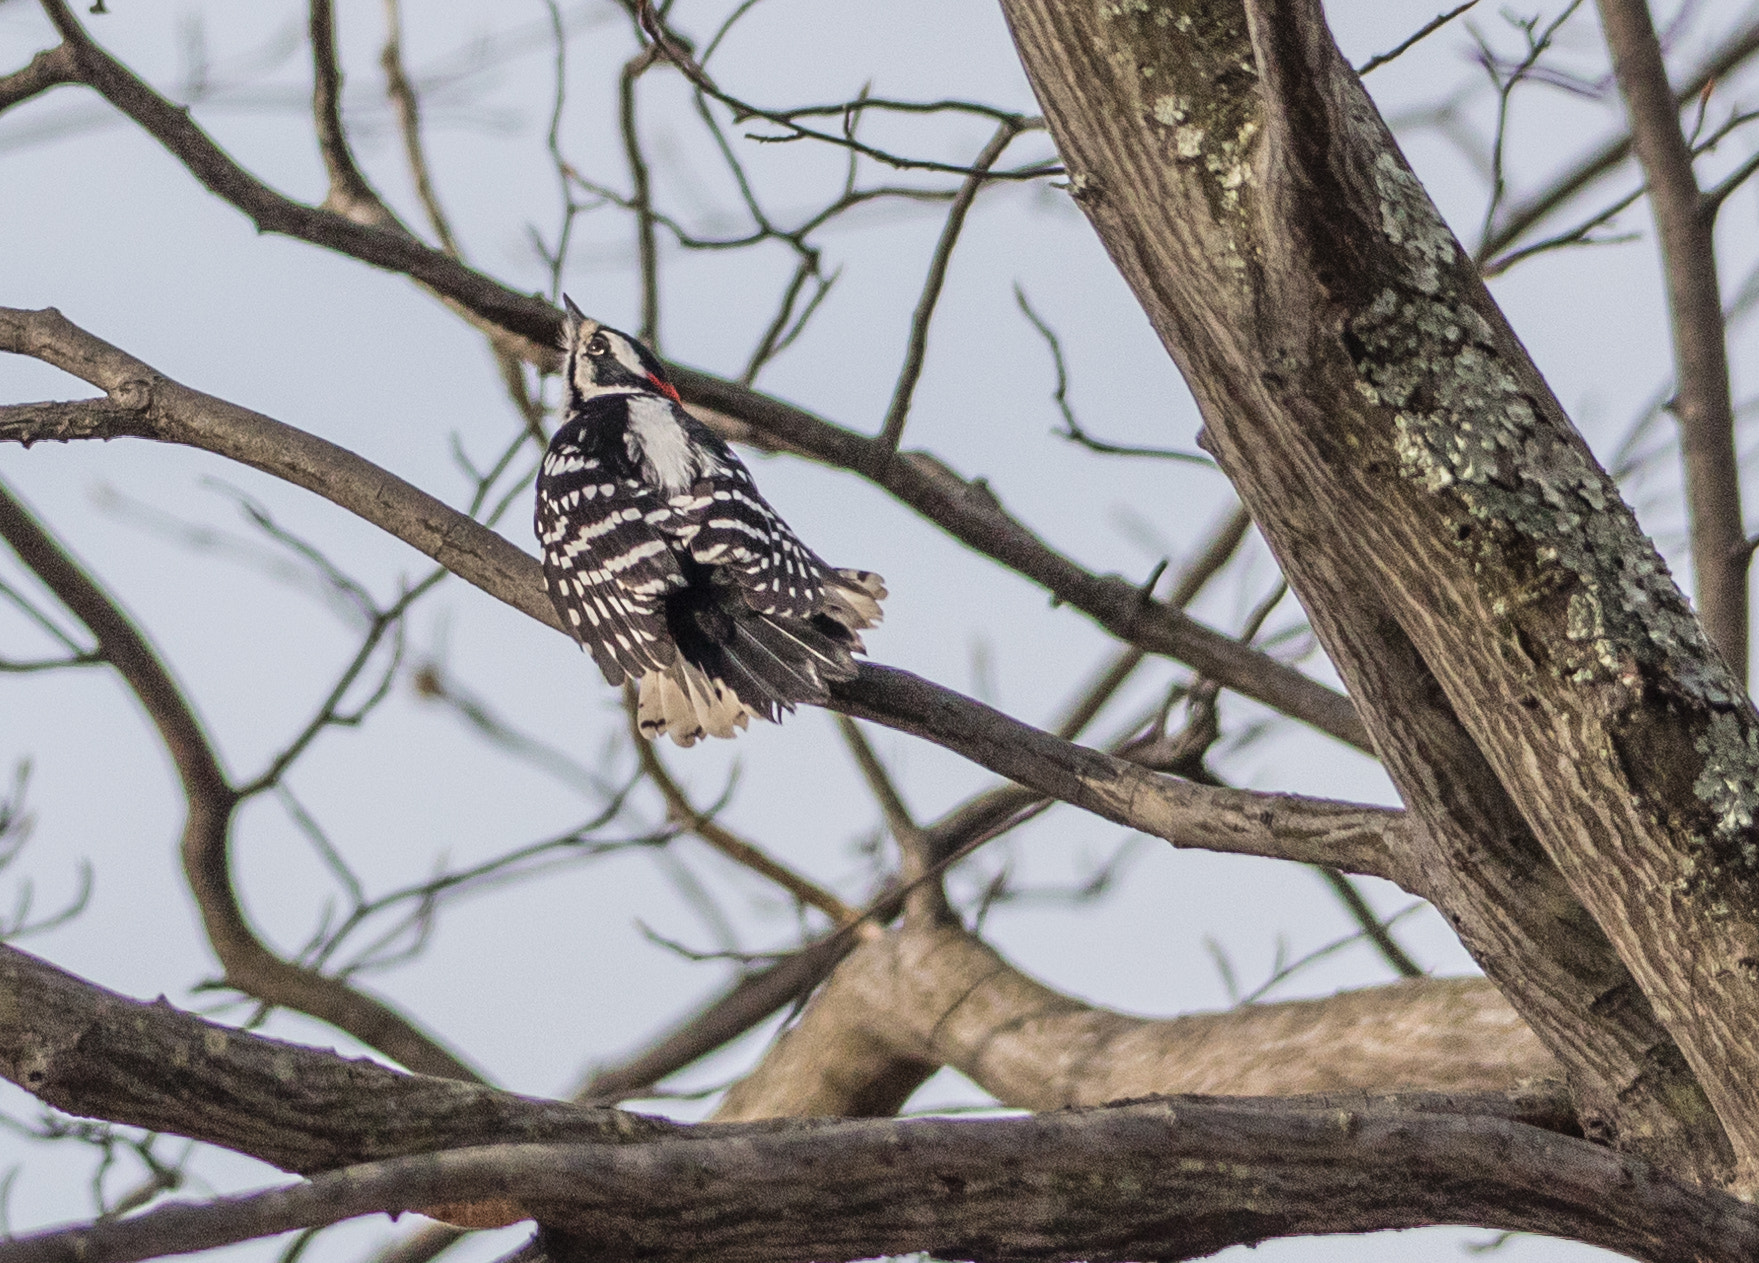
602	361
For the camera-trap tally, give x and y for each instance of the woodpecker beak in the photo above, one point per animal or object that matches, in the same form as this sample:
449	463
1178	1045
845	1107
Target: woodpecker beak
572	321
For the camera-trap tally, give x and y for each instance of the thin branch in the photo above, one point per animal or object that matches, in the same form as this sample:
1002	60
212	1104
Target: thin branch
407	105
519	314
1716	196
916	349
646	243
1216	551
1060	396
1525	216
1376	931
1422	33
1506	78
724	840
49	68
349	194
970	511
927	903
1577	236
668	44
330	713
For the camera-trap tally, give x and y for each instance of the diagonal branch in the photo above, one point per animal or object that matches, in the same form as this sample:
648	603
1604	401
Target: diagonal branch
1356	839
892	430
971	513
746	854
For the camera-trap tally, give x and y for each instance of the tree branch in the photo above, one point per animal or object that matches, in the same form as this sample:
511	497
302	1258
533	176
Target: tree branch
46	70
1346	836
898	411
1164	1180
1685	225
91	1052
1521	219
925	996
349	194
404	100
971	513
1207	1163
746	854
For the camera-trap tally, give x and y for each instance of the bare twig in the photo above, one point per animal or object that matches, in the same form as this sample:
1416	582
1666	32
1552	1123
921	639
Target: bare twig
1377	932
407	105
211	802
724	840
1524	216
646	242
349	194
927	902
1506	78
898	411
1422	33
1060	396
1576	236
677	51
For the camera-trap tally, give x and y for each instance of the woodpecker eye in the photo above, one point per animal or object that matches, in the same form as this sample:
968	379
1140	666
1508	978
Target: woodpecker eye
598	344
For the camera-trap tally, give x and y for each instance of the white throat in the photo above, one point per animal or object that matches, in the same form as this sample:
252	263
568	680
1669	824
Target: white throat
657	442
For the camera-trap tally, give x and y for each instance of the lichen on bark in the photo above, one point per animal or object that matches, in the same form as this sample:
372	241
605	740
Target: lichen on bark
1465	424
1529	502
1190	71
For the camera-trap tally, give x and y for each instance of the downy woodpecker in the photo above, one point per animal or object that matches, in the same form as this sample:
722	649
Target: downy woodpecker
666	564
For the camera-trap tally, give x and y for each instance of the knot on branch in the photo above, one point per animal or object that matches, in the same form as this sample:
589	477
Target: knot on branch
135	394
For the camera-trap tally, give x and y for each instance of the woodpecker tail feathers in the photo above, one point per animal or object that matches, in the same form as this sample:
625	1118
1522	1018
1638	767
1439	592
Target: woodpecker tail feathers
685	704
853	599
742	663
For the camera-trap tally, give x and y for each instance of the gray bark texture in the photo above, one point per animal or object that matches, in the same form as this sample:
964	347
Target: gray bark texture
1584	762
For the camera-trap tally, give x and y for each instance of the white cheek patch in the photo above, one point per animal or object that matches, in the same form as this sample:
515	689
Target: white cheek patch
627	357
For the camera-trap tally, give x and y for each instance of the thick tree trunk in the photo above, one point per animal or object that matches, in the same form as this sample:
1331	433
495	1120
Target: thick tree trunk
1585	765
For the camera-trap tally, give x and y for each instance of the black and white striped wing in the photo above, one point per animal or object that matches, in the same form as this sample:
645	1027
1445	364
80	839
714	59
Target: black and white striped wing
606	564
726	523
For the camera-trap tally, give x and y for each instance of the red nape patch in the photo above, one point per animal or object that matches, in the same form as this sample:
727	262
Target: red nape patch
665	388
